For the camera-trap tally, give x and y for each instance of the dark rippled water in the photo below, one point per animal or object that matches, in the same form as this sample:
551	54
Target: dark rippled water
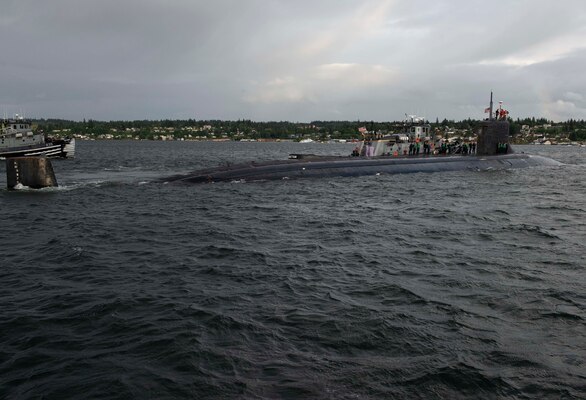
446	285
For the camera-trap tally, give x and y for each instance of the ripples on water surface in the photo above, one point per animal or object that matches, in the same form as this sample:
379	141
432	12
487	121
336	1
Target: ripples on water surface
446	285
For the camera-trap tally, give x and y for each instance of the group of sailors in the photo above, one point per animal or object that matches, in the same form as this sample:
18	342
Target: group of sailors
502	148
443	147
417	147
467	148
501	114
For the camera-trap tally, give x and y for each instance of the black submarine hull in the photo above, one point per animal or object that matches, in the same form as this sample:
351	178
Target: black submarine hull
320	167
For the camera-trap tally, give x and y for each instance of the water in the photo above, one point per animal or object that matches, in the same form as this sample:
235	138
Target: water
447	285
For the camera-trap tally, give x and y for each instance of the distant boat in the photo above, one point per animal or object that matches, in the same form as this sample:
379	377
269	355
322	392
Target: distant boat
307	140
17	139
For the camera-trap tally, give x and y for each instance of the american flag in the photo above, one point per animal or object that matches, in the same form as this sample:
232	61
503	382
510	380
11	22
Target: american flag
486	110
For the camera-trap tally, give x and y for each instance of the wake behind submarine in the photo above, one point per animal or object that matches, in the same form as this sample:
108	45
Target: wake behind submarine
394	154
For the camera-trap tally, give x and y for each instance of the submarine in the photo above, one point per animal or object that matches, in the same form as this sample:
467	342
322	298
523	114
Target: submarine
378	155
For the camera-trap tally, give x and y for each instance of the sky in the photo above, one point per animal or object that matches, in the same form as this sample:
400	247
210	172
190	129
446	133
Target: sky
292	60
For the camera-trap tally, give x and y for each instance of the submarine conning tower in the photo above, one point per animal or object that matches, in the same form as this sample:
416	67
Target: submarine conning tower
494	132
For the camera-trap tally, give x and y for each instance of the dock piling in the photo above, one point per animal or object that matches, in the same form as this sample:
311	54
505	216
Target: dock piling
33	172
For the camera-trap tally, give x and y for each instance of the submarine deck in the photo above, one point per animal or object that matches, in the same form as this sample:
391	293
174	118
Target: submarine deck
310	165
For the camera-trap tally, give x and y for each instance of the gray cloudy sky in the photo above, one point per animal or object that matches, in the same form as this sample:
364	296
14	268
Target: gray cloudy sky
294	60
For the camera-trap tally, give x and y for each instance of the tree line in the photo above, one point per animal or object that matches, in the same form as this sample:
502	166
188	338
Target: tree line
145	129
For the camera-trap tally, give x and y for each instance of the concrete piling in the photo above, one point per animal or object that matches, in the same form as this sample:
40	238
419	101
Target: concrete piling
33	172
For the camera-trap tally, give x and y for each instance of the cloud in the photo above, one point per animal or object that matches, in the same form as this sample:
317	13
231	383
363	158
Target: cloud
287	89
302	60
561	110
549	50
574	96
323	82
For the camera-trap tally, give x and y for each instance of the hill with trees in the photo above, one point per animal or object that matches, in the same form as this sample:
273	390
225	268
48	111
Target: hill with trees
522	130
